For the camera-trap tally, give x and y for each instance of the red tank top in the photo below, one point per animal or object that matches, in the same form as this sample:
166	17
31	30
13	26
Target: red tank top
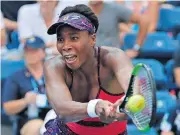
93	126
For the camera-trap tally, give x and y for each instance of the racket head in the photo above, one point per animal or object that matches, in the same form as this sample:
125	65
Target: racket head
142	83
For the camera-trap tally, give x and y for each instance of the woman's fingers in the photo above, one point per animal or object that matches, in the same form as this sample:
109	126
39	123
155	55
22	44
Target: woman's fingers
107	111
103	108
118	103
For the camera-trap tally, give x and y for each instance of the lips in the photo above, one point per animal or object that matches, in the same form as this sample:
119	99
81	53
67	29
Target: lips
70	59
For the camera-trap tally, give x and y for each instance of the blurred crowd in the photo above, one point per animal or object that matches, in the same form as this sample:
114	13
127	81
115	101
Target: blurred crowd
148	31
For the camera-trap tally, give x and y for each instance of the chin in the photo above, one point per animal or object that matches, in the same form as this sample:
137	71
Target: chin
73	67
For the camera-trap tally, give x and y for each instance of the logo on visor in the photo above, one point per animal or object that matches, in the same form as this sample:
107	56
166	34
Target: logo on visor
65	18
73	17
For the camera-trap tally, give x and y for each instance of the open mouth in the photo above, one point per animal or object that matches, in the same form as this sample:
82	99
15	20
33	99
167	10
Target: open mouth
70	58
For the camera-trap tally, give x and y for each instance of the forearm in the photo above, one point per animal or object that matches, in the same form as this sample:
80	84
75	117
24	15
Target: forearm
143	28
71	111
15	106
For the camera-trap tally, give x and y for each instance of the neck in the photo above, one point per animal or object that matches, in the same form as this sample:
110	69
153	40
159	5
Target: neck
96	8
90	66
36	70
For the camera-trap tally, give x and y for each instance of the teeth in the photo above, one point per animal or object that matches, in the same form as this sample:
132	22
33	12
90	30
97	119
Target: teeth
70	57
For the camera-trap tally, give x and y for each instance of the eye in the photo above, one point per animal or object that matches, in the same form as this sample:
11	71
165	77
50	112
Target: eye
74	38
60	39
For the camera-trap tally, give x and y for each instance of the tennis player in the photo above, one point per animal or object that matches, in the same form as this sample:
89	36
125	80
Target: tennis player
85	84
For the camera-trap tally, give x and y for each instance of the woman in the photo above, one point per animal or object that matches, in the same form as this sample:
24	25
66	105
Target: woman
86	83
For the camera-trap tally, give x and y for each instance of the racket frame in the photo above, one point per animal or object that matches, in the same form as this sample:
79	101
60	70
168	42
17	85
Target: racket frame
130	91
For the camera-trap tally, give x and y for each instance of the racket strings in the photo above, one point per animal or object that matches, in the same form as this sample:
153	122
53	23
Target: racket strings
142	86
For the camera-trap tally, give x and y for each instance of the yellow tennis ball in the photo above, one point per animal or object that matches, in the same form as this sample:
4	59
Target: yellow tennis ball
136	103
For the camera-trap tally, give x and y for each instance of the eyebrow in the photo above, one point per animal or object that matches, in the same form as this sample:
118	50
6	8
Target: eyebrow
70	33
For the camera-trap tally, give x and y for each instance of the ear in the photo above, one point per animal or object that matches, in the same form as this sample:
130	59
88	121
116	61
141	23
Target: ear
93	39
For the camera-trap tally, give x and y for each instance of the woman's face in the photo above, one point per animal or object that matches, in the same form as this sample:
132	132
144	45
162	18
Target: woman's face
75	46
33	56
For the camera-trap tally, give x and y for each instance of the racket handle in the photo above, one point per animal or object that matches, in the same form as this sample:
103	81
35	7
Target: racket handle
118	109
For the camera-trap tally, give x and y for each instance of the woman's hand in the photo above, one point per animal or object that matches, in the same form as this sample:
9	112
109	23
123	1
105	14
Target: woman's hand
104	111
117	115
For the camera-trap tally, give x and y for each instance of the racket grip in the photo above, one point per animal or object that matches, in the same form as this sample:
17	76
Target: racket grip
117	109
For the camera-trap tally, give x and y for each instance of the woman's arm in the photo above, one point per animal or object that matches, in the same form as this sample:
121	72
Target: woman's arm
59	95
121	65
122	68
61	100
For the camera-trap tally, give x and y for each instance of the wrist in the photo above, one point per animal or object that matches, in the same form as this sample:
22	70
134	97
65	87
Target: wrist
137	47
91	108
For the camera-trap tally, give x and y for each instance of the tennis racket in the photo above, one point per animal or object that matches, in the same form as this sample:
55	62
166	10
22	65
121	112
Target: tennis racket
142	83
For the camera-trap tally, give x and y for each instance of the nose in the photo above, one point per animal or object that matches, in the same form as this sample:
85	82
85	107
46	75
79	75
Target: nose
66	47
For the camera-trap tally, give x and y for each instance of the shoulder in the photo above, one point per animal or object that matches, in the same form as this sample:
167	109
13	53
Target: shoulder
112	51
29	9
113	56
55	70
20	74
54	64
